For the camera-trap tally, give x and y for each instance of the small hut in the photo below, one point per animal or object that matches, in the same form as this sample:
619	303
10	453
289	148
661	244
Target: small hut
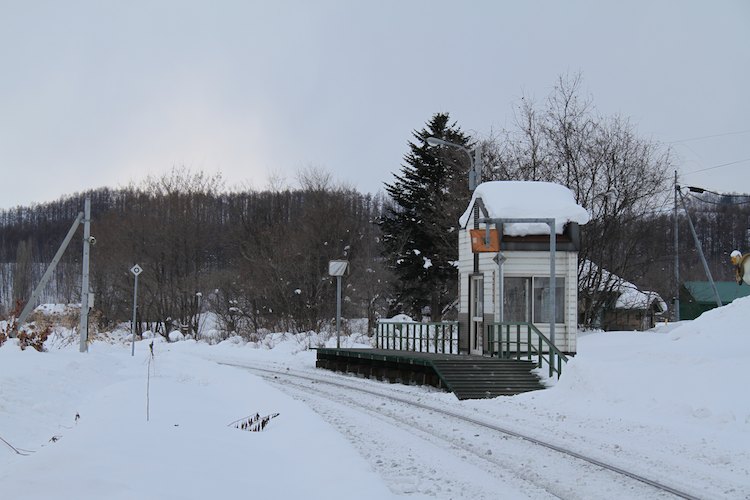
507	258
621	304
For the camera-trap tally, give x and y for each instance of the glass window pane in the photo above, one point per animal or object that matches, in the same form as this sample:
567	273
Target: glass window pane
542	300
478	294
517	299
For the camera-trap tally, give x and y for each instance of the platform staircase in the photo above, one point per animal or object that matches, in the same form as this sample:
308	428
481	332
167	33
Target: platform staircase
476	378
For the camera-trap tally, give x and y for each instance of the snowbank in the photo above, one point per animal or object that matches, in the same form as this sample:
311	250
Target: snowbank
671	404
185	450
695	374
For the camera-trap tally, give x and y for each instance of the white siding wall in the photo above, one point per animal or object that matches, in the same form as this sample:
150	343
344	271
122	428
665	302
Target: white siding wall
523	264
465	267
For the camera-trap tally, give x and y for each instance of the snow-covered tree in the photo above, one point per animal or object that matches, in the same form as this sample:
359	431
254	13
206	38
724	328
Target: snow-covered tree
420	227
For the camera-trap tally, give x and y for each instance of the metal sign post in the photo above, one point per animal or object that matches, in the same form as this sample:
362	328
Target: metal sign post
500	260
338	268
136	270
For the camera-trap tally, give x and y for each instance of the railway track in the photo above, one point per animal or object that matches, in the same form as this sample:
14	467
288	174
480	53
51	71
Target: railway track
512	459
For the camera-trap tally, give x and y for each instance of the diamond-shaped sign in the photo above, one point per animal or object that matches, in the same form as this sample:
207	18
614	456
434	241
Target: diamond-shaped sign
337	267
136	270
499	258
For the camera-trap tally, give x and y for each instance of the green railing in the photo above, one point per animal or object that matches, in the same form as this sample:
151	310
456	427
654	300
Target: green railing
524	340
418	337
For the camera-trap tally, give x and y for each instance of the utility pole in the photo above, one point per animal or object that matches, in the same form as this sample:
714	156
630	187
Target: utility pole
676	254
700	252
84	328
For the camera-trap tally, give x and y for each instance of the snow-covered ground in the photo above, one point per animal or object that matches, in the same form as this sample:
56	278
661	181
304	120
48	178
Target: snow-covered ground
671	404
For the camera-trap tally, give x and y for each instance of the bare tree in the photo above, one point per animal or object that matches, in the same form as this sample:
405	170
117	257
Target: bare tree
23	273
618	176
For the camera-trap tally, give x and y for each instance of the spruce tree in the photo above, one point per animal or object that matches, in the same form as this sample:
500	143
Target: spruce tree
420	227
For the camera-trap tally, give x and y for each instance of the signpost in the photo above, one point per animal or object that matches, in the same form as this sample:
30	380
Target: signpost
500	260
136	270
338	268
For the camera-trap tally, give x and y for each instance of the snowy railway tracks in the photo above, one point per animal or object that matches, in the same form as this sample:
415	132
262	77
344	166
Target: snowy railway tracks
421	448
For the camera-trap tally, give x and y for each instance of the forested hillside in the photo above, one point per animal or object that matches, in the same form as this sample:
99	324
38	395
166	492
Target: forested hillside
258	259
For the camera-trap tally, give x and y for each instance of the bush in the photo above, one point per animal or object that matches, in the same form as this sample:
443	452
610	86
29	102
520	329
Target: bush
34	338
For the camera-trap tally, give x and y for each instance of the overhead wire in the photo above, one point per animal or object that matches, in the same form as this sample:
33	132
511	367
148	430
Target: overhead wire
717	166
702	200
738	132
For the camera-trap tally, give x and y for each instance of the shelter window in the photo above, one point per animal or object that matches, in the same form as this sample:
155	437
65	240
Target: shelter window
528	297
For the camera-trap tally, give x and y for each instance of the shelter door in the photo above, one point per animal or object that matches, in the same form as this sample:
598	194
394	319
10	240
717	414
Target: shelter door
476	320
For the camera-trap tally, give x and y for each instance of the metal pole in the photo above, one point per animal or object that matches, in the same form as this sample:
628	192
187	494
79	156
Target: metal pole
552	278
47	275
501	287
338	312
135	305
500	260
199	295
84	327
676	254
700	252
552	258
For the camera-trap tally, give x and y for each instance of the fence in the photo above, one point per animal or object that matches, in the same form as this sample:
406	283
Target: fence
418	337
524	340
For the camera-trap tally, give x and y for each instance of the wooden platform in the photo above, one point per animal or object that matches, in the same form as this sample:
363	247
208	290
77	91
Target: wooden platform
468	377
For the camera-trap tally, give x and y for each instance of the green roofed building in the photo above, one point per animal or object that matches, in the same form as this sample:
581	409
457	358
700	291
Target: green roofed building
697	297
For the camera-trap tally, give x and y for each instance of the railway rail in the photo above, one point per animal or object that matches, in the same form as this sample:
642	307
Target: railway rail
326	390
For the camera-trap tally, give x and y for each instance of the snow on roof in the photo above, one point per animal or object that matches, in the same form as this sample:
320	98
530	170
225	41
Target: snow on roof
528	200
629	295
632	298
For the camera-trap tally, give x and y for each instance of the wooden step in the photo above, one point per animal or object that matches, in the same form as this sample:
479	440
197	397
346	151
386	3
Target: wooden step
487	378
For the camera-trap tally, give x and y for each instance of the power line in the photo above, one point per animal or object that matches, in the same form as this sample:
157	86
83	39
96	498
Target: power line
723	203
717	166
738	132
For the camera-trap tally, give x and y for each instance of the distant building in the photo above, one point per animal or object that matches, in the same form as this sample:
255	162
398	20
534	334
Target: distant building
697	297
623	306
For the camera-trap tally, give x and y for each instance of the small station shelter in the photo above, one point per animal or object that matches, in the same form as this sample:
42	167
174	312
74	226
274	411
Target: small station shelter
510	260
517	242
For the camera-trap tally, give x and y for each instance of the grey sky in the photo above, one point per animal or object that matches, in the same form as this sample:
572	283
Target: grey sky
101	93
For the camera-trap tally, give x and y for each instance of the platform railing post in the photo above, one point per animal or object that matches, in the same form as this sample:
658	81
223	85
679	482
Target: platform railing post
541	353
518	341
490	339
528	342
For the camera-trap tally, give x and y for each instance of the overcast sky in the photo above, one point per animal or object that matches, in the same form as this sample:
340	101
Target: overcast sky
103	93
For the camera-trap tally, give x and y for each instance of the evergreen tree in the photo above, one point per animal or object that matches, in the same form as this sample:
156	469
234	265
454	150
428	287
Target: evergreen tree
420	227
